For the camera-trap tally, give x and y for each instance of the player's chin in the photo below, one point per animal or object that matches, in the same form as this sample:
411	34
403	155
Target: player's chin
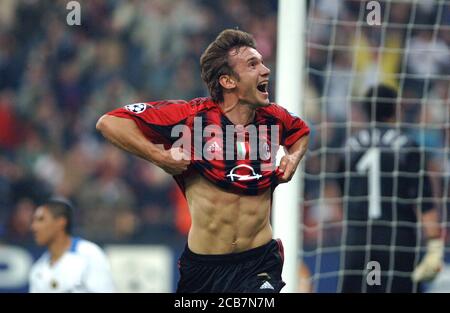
40	241
263	99
265	104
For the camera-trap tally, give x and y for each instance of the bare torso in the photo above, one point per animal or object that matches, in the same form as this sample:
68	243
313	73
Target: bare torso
224	222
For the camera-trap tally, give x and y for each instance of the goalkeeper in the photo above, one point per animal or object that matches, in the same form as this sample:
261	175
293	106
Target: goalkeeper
386	195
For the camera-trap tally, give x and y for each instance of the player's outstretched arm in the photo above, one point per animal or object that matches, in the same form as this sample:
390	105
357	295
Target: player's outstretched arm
289	162
125	134
433	259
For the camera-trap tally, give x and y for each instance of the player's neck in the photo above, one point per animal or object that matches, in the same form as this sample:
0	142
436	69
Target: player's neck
58	246
237	112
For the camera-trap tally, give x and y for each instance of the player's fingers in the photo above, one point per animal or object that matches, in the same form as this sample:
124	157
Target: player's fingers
186	161
183	164
289	172
186	156
176	154
179	154
285	177
283	164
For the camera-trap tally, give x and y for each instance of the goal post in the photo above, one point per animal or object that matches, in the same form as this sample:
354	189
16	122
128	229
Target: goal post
289	89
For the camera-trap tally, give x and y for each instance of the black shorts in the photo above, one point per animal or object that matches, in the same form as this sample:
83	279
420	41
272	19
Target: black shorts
256	270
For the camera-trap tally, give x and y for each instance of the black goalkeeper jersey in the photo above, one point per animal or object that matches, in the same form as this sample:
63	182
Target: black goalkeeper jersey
384	186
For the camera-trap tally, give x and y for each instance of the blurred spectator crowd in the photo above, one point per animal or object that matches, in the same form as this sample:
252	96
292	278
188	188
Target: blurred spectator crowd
56	80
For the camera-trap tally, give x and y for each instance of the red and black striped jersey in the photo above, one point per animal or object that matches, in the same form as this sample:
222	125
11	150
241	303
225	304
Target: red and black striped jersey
239	159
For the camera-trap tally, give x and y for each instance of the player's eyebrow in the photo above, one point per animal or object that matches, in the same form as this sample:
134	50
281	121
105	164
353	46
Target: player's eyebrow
255	59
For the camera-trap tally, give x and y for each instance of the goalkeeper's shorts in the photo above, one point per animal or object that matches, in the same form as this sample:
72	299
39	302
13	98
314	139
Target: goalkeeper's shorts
257	270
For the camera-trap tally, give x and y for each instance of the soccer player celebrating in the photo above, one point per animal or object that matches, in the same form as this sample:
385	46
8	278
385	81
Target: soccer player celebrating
71	264
228	186
386	164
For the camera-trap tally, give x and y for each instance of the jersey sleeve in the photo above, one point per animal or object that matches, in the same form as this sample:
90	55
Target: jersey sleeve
156	119
98	276
293	127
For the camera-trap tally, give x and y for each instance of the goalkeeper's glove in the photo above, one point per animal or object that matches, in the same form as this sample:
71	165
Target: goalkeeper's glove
431	263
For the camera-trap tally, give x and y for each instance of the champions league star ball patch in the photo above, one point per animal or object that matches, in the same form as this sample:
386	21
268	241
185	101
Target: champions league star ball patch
136	107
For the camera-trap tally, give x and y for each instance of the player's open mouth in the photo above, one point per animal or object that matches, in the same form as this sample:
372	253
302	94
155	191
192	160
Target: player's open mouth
263	87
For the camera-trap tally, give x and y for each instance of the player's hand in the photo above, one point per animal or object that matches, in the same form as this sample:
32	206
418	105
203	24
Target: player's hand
431	263
288	165
173	161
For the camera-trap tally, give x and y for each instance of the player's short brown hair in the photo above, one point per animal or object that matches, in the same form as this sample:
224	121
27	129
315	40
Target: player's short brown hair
214	61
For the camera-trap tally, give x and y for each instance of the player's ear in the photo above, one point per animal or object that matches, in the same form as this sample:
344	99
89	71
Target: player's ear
227	82
62	222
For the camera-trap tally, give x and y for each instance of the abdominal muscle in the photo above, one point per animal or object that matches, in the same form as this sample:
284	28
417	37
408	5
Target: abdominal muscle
224	222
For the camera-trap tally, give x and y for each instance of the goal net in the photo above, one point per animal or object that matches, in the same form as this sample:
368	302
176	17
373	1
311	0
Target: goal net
350	47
